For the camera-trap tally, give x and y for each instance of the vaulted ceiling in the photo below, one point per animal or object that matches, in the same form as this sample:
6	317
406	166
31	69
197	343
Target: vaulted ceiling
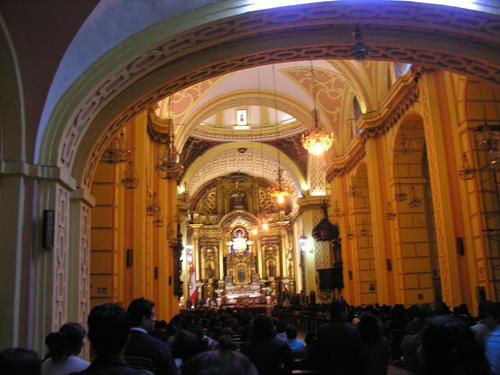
279	102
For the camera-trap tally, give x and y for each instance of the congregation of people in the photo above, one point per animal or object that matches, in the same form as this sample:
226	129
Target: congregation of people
338	340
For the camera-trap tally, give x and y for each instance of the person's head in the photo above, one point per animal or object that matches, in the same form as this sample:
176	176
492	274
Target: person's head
262	328
109	327
68	341
291	333
448	346
485	309
219	362
142	313
369	329
187	344
310	338
19	361
280	326
338	310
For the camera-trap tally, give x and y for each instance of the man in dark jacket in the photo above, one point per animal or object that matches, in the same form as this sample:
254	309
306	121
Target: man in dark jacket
270	355
338	344
145	351
108	332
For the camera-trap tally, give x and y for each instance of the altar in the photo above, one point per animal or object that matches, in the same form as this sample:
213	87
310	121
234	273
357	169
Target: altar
236	291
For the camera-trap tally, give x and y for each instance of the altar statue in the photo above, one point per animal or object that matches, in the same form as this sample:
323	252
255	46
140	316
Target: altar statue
255	277
229	277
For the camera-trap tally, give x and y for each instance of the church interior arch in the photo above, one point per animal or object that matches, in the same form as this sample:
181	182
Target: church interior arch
214	216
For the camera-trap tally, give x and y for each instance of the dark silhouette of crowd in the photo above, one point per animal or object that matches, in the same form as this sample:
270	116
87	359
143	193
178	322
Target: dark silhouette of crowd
337	339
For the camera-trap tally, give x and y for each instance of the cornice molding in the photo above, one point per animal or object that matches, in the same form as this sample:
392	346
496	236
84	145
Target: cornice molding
403	94
84	195
310	203
36	171
344	164
399	99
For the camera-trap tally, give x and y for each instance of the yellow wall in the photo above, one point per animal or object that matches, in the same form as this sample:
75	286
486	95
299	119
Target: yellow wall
120	226
414	256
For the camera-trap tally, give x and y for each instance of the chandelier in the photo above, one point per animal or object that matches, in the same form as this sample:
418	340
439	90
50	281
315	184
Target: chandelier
414	201
466	172
405	146
129	180
316	141
281	191
153	205
167	161
390	214
116	152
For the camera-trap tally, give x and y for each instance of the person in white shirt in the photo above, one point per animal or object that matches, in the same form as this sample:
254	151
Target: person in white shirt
64	346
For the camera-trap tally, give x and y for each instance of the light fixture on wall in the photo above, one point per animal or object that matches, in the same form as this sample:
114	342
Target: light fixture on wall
157	221
404	145
116	152
280	191
400	195
336	211
390	214
348	234
316	141
364	231
488	139
466	172
414	201
153	206
129	180
352	190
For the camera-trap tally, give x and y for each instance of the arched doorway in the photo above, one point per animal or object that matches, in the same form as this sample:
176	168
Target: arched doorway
77	134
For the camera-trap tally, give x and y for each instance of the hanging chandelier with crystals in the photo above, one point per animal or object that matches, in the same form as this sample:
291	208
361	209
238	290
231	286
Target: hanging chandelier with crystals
281	190
316	141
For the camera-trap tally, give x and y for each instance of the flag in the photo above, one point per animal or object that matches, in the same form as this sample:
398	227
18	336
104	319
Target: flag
193	290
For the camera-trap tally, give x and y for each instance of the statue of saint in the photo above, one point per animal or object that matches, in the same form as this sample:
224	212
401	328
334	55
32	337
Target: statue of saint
209	271
241	274
255	277
271	269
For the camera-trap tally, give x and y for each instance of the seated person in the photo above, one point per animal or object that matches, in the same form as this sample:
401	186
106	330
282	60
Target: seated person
219	362
295	344
64	346
109	327
143	350
19	361
448	347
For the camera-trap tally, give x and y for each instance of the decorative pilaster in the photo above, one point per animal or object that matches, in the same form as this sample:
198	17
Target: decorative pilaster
60	258
79	261
441	194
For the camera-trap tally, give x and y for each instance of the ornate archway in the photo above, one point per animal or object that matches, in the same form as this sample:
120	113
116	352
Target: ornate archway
89	115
